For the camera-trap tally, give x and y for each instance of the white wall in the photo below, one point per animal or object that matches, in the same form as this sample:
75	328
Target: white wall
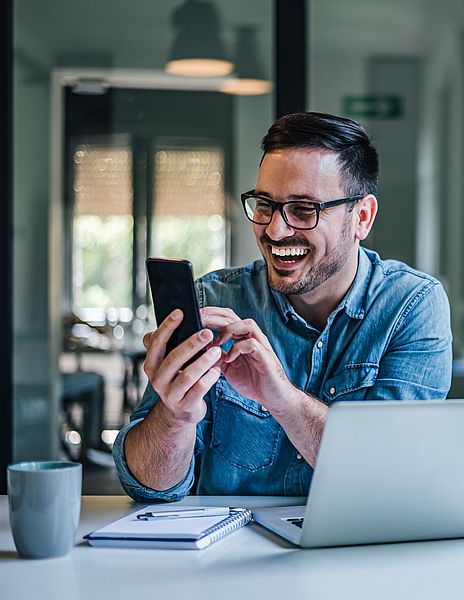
424	177
444	78
396	141
334	76
254	116
34	416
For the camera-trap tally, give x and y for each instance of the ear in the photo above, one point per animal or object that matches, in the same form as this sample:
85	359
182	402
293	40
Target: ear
365	210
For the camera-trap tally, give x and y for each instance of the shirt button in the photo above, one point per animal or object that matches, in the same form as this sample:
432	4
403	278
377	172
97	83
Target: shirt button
320	343
299	457
332	390
263	408
294	317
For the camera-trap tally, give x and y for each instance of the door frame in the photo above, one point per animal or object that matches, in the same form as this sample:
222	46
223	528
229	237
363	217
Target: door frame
6	241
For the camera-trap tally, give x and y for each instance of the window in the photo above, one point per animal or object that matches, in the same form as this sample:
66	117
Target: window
144	178
188	211
102	230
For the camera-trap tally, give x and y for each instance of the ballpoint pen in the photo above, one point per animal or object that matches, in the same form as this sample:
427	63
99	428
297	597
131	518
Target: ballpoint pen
210	511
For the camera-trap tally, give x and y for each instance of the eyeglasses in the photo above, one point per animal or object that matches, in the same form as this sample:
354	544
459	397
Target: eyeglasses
297	214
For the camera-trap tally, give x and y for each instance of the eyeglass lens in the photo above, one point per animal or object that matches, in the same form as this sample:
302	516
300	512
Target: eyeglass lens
298	214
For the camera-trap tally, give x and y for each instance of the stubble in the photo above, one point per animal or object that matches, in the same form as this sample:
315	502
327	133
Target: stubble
318	273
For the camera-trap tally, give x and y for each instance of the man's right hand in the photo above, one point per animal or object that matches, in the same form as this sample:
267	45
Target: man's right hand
181	390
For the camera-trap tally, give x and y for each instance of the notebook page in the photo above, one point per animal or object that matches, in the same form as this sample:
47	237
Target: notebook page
131	527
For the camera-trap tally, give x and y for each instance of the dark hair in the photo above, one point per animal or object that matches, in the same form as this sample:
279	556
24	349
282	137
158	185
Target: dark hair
358	159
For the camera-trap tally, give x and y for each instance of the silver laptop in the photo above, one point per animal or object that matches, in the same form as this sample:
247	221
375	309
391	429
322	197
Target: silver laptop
386	472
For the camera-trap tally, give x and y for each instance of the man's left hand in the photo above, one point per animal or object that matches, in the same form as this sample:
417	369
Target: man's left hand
251	365
254	371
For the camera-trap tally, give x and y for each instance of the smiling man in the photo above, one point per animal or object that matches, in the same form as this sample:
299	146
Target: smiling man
319	320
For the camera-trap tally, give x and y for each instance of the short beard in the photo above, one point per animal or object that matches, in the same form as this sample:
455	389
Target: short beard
318	273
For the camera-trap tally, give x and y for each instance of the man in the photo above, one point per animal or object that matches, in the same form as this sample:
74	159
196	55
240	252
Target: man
318	321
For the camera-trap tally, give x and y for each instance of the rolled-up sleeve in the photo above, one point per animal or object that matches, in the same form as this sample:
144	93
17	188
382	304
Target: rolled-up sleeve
131	485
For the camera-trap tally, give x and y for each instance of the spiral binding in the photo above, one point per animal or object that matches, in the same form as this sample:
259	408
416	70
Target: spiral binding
231	523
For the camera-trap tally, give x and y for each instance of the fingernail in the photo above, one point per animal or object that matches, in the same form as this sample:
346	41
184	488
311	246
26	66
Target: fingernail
176	314
215	352
205	335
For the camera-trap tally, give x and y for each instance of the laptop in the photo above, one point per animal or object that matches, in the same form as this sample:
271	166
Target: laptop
387	471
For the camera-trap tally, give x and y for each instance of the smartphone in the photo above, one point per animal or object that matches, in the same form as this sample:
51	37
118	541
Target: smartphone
172	286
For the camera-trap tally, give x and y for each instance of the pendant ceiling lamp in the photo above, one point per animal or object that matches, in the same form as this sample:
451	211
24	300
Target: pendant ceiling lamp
198	49
250	78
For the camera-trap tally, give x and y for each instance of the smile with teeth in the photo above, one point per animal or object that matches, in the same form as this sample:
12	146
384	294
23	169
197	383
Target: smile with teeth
289	254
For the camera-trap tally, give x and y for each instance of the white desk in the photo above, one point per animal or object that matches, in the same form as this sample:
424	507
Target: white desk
250	563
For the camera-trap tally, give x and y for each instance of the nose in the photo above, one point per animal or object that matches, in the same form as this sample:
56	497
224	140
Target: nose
278	229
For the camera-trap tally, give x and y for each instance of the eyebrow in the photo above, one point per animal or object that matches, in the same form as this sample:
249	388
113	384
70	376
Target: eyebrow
293	197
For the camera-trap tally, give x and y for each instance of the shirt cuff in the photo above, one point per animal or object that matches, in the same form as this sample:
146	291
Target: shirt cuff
133	487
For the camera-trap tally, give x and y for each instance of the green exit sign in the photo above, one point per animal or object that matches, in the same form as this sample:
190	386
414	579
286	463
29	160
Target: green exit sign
373	106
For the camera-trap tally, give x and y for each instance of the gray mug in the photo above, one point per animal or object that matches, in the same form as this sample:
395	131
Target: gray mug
45	502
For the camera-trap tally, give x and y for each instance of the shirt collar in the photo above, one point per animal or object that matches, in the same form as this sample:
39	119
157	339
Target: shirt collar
284	307
353	302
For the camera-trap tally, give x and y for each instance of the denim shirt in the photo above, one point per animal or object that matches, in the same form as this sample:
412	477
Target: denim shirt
389	339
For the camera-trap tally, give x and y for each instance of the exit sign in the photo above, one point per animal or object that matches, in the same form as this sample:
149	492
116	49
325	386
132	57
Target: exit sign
373	106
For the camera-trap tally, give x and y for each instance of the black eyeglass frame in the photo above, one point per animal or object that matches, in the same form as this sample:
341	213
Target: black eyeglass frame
318	206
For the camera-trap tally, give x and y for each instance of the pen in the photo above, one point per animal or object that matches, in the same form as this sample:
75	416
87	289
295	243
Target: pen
211	511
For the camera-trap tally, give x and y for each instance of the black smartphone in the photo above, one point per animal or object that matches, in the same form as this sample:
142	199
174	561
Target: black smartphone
172	286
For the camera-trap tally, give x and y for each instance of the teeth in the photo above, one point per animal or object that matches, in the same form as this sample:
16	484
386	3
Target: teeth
289	251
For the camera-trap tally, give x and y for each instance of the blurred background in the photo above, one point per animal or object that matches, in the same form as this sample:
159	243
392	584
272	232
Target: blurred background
124	146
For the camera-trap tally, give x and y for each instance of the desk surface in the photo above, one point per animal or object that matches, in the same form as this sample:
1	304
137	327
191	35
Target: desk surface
250	563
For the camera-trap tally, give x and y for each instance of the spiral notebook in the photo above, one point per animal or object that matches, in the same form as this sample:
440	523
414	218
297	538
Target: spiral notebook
194	533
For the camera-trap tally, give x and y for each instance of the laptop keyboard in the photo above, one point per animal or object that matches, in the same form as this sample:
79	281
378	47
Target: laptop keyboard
298	521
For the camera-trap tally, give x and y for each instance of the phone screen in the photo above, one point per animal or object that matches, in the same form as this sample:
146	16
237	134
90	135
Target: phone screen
172	286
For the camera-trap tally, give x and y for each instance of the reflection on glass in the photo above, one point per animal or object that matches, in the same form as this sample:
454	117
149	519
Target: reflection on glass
188	215
102	229
198	49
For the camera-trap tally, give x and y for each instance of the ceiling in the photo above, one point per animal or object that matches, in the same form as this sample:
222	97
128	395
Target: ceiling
120	33
137	34
386	27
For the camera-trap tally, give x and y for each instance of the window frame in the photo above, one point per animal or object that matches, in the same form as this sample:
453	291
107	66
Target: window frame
144	145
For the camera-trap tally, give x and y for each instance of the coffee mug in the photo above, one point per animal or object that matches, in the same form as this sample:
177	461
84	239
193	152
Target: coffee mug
44	501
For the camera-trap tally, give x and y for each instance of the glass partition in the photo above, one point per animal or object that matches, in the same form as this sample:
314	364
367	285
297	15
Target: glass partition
397	67
115	159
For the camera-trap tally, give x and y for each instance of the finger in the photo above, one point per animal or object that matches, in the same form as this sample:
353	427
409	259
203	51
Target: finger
177	358
192	406
246	328
188	378
216	317
249	347
219	310
202	386
165	329
155	341
146	339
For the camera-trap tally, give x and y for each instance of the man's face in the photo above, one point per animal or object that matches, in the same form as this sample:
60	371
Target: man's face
313	257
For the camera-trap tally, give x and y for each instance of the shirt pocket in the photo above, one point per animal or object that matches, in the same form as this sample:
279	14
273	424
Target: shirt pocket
242	433
351	383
